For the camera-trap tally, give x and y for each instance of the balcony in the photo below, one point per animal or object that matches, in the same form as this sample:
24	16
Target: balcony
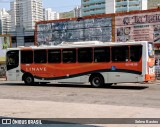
93	7
134	2
92	1
121	3
121	9
94	12
134	8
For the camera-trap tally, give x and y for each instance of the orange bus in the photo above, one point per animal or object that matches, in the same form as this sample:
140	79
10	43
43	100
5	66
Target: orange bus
95	62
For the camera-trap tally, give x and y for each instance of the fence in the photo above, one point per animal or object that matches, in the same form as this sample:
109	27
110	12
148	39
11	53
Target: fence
2	71
157	70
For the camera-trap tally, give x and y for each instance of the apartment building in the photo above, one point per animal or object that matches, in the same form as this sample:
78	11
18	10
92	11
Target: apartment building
25	13
5	21
49	14
92	7
77	12
130	5
13	15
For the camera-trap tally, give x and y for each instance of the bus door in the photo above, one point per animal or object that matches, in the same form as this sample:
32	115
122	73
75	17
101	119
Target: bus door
12	62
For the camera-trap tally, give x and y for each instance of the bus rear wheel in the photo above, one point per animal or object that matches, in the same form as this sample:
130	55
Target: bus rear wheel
97	81
28	80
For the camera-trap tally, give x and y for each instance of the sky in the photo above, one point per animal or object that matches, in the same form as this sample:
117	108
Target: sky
56	5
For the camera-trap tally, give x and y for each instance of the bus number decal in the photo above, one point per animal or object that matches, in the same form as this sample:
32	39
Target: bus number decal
131	64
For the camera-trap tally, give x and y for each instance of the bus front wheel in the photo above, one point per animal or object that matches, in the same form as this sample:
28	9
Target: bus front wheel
28	80
97	81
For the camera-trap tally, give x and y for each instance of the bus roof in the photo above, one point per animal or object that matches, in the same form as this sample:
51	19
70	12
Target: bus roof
79	45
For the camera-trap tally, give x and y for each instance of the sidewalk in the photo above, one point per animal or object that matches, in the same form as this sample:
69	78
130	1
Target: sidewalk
2	79
47	109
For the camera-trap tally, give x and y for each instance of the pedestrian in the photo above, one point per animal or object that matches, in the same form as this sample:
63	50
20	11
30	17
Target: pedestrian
5	44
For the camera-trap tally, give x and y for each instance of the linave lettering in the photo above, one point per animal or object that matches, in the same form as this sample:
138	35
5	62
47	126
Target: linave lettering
36	69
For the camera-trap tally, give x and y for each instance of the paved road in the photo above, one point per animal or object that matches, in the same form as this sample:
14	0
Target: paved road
80	101
139	95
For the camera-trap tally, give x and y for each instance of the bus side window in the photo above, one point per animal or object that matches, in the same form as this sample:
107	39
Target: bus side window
120	54
132	58
101	54
69	55
85	55
40	56
54	56
26	57
135	53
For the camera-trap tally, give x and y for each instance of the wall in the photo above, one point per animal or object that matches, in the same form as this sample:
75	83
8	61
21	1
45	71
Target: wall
83	29
136	25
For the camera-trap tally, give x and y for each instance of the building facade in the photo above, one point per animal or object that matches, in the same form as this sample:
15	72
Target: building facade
48	14
130	5
22	37
153	4
13	15
77	12
92	7
25	13
5	21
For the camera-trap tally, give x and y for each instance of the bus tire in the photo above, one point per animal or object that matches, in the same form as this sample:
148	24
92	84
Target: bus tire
97	81
28	79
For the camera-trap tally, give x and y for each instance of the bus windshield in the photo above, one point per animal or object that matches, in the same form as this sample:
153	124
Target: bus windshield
150	50
12	59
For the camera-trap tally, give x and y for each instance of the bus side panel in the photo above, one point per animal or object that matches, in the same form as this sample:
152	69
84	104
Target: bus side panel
144	61
14	74
79	79
67	71
148	64
120	77
75	79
